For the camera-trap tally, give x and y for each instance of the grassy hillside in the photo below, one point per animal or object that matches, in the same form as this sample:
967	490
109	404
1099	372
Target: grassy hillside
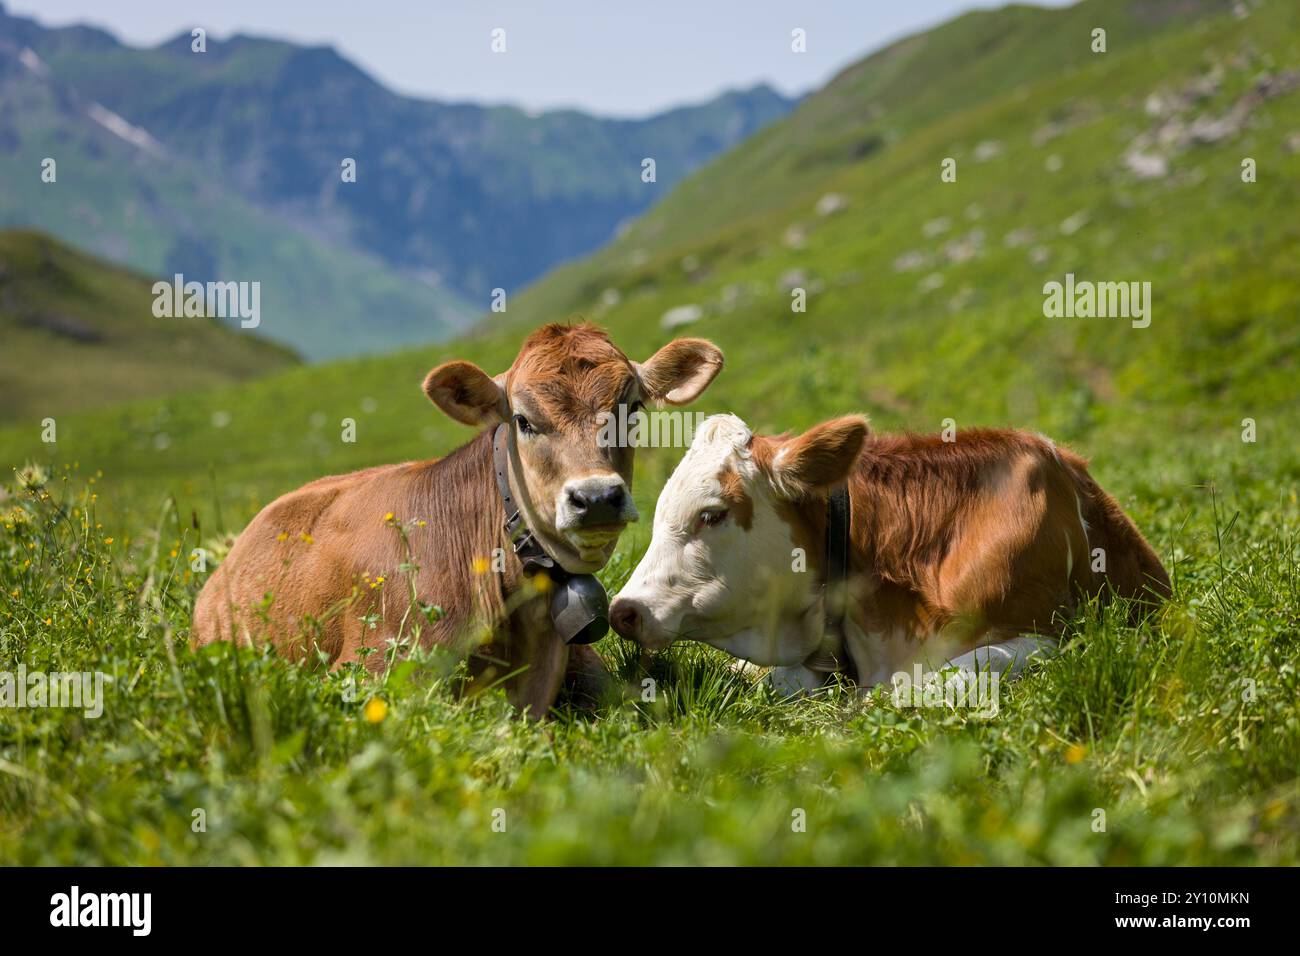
925	298
925	302
80	334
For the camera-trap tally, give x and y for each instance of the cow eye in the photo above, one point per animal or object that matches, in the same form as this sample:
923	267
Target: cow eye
524	425
711	517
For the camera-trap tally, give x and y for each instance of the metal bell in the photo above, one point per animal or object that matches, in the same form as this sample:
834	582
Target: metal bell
580	609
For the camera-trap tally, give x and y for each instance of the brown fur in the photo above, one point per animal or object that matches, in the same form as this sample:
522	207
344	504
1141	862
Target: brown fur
324	580
739	504
971	536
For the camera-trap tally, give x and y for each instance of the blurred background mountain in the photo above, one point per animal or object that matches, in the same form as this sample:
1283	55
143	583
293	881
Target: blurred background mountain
226	165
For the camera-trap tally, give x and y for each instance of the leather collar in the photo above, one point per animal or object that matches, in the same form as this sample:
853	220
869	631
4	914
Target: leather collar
525	544
831	655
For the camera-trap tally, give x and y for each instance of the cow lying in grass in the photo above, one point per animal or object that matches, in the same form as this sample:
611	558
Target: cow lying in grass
963	554
352	562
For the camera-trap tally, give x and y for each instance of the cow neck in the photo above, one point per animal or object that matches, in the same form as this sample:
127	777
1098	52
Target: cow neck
579	606
527	548
831	655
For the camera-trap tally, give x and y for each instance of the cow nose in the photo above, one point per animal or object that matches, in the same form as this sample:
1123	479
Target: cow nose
625	618
598	505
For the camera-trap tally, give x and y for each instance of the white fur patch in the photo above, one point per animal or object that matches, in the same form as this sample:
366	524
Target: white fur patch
694	483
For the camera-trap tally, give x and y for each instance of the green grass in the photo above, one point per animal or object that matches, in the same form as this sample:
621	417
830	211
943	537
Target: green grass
1151	725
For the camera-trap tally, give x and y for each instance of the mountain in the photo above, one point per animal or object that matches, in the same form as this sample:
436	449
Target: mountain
123	196
227	164
79	334
925	299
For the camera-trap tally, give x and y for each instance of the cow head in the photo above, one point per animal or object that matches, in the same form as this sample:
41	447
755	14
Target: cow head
572	484
722	566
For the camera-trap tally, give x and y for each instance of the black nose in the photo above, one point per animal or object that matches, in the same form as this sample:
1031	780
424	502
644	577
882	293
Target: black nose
599	505
625	618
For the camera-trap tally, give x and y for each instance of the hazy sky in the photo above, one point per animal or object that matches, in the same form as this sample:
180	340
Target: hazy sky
615	57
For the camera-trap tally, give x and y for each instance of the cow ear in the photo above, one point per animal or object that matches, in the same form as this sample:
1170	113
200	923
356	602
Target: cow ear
819	459
466	393
679	371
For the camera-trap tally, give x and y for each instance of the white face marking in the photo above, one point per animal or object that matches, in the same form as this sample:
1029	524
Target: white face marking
730	587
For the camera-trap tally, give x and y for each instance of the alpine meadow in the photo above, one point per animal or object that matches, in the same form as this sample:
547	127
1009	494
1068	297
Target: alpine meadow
887	246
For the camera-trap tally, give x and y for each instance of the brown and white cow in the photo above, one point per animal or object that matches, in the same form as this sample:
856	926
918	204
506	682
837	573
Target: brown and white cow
317	554
961	554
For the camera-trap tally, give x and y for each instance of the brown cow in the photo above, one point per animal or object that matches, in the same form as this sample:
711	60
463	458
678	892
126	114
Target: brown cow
961	553
324	569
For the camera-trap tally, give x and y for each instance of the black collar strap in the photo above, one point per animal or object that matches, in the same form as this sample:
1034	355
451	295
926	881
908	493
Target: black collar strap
526	546
831	655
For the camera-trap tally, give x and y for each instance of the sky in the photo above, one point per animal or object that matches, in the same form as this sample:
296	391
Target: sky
611	57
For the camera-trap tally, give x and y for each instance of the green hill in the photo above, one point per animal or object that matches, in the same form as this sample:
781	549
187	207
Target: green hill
925	298
79	334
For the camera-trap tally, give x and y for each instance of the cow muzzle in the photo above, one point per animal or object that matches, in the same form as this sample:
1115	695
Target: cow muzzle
633	621
592	512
